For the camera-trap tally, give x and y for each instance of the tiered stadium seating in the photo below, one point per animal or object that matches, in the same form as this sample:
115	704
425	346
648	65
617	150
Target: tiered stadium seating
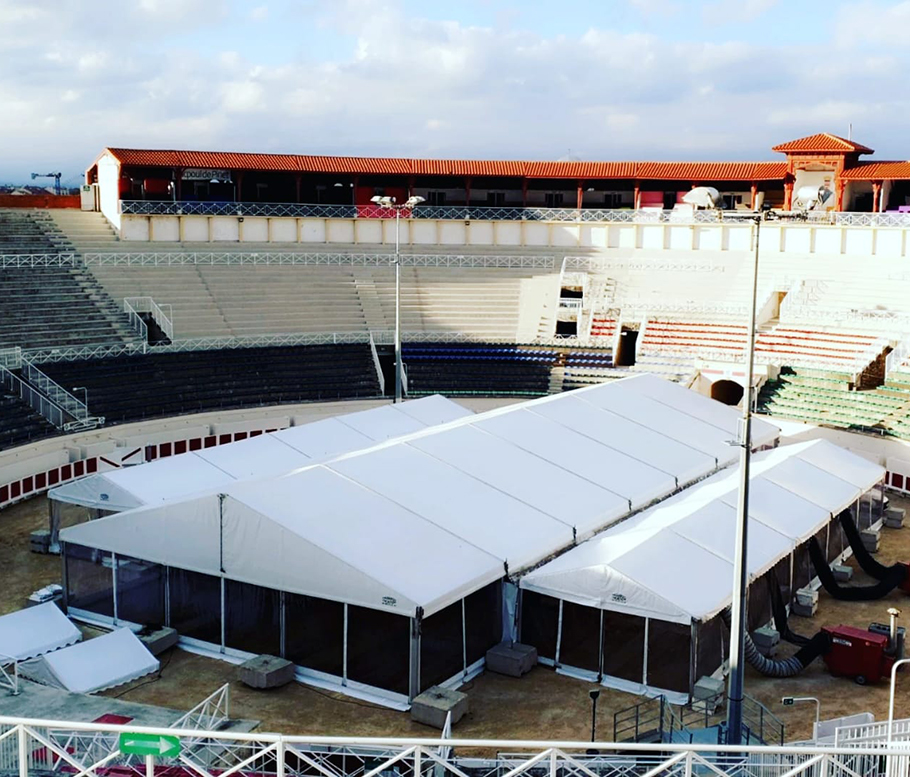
603	325
20	424
690	336
584	368
44	307
823	397
796	345
486	370
29	232
222	300
129	388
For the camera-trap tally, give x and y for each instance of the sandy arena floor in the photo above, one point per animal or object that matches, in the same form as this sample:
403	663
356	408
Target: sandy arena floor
541	705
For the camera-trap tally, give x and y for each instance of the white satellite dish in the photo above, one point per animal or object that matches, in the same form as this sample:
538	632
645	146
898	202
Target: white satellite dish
702	197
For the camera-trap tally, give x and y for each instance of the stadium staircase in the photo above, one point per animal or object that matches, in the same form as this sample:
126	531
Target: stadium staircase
19	423
656	721
86	231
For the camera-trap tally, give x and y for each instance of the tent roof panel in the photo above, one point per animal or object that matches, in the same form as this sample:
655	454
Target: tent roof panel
371	533
814	484
591	459
433	410
682	462
511	530
382	423
257	456
555	491
165	479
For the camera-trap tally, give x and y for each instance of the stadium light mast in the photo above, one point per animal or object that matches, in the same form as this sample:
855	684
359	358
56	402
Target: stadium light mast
409	204
740	566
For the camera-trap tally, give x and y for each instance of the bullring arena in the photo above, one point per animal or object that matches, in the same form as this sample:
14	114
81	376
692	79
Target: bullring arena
203	465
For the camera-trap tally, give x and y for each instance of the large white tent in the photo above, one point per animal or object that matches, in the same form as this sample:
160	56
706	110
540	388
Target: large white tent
673	563
419	524
256	457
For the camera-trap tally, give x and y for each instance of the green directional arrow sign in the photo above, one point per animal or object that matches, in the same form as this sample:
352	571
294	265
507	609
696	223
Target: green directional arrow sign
149	744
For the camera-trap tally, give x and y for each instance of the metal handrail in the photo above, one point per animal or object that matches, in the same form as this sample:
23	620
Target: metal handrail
148	305
38	260
139	326
377	364
170	258
59	395
35	399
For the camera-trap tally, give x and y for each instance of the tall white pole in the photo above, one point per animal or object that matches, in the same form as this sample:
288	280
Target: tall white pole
891	702
740	568
398	366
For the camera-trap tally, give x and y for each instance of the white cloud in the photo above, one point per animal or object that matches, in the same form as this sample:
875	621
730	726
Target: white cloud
259	13
387	82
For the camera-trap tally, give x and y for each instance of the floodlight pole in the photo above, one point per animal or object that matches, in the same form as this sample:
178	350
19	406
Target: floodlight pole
398	365
740	568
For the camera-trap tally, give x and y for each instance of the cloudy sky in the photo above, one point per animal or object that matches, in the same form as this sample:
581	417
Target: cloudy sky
600	79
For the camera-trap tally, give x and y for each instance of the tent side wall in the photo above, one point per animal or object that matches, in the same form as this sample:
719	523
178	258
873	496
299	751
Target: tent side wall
344	644
628	652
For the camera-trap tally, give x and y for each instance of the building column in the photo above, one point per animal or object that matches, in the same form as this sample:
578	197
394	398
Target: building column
410	186
788	195
178	183
636	195
876	196
840	189
579	195
753	191
524	192
467	190
239	188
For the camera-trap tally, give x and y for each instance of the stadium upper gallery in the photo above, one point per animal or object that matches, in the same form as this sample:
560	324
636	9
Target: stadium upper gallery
540	454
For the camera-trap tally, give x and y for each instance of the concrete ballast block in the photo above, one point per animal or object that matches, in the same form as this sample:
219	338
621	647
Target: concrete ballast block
512	659
434	704
894	517
804	610
160	640
842	573
871	540
807	597
39	541
266	672
765	637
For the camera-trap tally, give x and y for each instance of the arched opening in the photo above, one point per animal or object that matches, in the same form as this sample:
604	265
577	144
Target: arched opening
727	391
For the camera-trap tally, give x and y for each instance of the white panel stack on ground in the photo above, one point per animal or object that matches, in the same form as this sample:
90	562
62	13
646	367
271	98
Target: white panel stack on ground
97	664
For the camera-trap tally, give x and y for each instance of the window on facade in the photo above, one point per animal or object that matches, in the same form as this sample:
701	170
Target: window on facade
436	198
612	199
496	199
554	199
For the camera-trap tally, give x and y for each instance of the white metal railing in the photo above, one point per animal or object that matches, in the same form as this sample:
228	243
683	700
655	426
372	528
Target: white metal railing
39	260
34	398
33	747
169	258
140	328
594	263
11	358
55	392
9	674
377	365
210	713
897	358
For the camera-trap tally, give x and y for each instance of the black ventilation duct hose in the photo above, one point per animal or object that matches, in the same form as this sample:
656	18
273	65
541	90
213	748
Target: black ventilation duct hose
895	577
868	564
779	613
785	667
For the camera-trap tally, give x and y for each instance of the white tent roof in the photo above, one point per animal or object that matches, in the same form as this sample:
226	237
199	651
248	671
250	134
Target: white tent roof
262	456
93	665
675	561
35	630
420	520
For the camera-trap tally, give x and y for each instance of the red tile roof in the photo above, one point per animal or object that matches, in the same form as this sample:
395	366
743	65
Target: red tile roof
667	171
822	143
870	171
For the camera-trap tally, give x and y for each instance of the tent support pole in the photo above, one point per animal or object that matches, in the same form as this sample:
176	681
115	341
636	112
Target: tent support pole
282	626
558	635
464	640
223	619
644	654
414	662
600	649
114	566
167	597
344	656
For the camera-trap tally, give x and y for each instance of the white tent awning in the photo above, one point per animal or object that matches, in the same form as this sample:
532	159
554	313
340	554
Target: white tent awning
94	665
35	630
